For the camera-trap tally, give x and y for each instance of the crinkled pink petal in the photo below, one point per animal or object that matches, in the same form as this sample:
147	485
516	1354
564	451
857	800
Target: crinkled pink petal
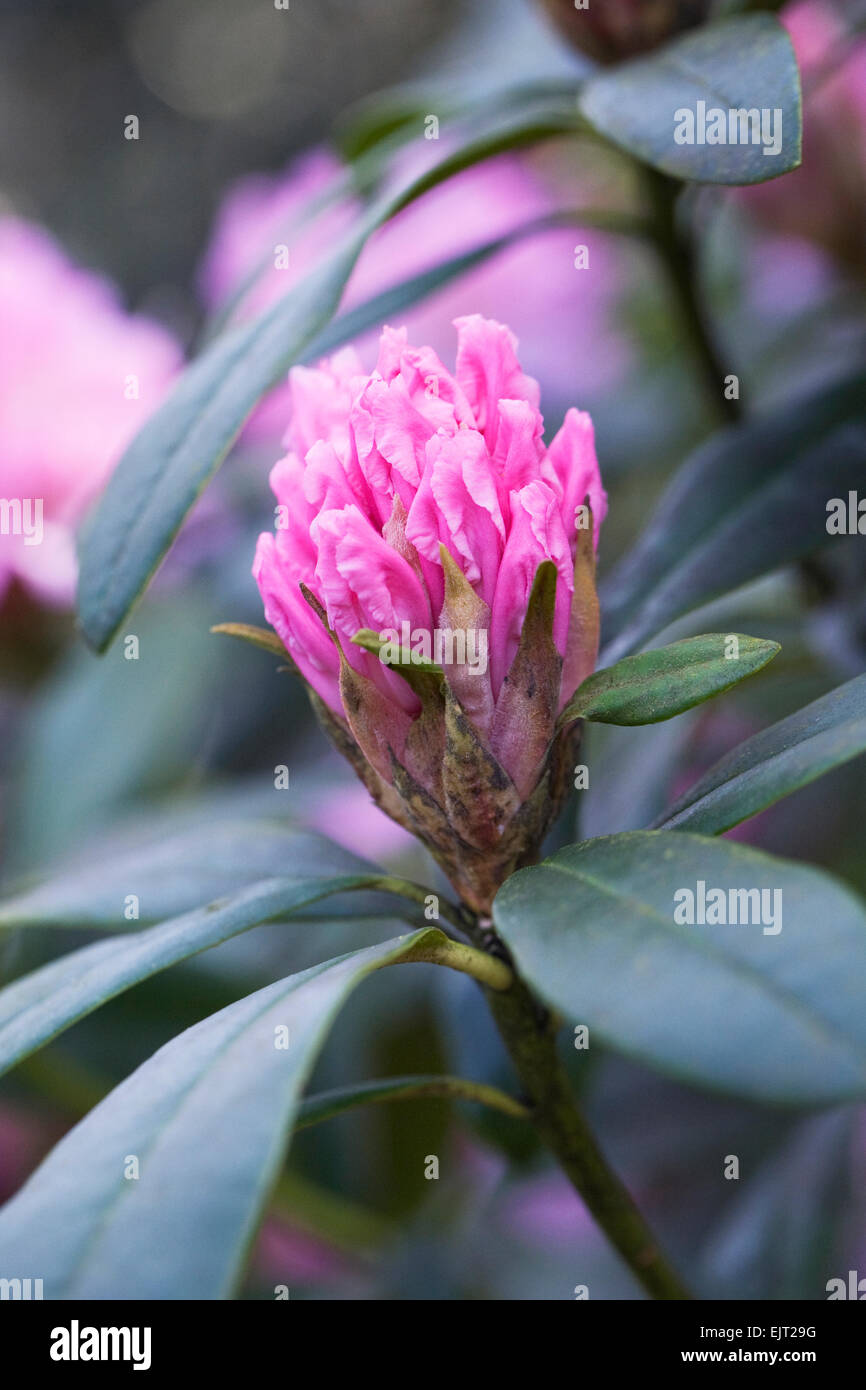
457	505
537	534
321	398
366	584
291	617
574	463
488	371
518	455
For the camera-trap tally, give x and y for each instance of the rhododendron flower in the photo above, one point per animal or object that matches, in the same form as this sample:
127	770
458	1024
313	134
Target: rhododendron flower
561	314
611	30
421	522
78	376
824	201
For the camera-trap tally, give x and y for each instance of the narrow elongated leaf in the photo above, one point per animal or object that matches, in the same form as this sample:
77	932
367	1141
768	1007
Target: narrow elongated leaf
753	498
206	1119
735	66
774	763
261	637
176	873
385	305
778	1237
34	1009
767	1002
178	450
327	1104
656	685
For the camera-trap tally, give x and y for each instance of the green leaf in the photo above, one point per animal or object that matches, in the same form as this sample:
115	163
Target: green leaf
656	685
774	763
208	1119
406	659
172	458
105	735
753	498
744	63
175	873
771	1015
261	637
39	1006
778	1237
370	122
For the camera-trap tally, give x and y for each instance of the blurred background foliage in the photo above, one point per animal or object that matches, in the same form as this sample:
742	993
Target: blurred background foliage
92	749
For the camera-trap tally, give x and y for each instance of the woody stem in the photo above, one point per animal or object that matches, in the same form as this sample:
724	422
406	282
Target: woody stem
529	1034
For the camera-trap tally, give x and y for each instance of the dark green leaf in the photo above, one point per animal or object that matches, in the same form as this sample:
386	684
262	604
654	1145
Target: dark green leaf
738	64
776	1015
34	1009
774	763
175	873
779	1238
753	498
207	1118
656	685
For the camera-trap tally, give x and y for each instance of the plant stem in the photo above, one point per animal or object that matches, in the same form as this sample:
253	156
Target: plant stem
529	1034
327	1104
677	250
416	893
488	970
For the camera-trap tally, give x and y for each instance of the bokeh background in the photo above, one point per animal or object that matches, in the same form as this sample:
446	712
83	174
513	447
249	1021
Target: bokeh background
231	96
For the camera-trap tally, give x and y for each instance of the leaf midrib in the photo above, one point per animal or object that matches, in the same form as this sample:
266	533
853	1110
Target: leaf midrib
737	966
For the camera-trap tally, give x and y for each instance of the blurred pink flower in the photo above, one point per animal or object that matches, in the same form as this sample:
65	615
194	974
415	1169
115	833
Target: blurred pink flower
344	813
824	201
286	1255
560	314
545	1211
77	378
415	503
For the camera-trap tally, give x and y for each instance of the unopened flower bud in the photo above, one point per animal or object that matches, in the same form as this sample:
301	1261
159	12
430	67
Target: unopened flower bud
612	30
432	577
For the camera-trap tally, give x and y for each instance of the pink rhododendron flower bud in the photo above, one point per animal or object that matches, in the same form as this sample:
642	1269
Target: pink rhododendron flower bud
78	377
824	201
612	30
432	577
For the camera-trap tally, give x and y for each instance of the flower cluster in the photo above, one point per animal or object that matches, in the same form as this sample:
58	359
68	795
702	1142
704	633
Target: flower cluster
415	502
78	376
824	201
